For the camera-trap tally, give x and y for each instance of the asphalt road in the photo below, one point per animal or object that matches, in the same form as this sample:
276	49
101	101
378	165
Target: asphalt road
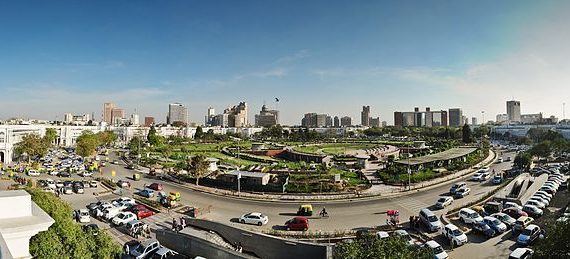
344	215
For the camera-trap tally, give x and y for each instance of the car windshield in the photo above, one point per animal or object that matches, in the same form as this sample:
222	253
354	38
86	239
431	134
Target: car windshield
473	215
438	250
140	249
441	200
495	222
526	232
457	232
432	219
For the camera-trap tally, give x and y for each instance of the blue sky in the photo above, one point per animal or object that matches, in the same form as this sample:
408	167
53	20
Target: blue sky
316	56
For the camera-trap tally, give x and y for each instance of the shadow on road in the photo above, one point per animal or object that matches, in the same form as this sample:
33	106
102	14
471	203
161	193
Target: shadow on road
278	227
234	220
288	214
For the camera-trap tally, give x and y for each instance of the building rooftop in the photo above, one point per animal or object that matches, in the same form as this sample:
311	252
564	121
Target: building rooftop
246	173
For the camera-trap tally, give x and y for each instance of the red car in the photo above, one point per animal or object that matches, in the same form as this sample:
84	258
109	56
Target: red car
142	213
155	186
514	212
297	223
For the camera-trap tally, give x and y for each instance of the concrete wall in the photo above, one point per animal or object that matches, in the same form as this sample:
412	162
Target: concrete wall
194	246
265	246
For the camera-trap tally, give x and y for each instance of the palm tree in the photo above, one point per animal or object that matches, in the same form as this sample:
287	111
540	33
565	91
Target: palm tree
197	166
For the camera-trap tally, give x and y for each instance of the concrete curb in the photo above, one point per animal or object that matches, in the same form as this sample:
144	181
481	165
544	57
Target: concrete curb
333	199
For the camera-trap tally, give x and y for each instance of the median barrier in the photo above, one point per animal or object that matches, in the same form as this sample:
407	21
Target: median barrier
262	245
193	246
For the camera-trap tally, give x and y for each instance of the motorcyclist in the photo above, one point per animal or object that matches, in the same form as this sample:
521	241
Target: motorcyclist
324	212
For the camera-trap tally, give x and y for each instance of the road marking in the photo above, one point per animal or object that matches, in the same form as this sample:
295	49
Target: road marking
409	204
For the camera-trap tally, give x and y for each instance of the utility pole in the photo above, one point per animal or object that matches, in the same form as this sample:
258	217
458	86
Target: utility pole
409	169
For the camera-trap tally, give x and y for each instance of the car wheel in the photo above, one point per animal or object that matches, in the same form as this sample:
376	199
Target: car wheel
259	223
305	229
242	221
288	228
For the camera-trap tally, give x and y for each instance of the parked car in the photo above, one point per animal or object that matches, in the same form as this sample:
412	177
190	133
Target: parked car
521	253
495	224
382	235
403	234
254	218
462	192
539	200
522	223
91	227
515	212
84	216
64	174
110	213
497	179
145	248
297	223
477	176
135	224
456	186
68	190
123	183
123	200
123	218
87	174
436	249
532	210
430	220
443	202
454	235
483	228
78	188
142	213
155	186
506	219
93	184
529	235
147	193
493	207
33	173
468	216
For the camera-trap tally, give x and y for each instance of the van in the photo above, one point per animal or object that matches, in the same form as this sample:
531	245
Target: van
430	220
522	222
457	186
111	213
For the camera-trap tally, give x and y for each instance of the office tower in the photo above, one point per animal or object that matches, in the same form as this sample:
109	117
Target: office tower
336	122
375	122
148	121
314	120
345	121
456	118
365	116
135	119
177	113
117	116
107	112
384	123
266	118
514	111
473	120
210	117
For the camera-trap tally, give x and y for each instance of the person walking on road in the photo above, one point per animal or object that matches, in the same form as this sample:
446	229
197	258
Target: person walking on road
174	225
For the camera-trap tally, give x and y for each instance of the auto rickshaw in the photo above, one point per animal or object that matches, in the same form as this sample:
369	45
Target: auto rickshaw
175	196
305	210
480	210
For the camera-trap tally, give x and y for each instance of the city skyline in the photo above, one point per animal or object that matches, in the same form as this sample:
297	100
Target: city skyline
451	55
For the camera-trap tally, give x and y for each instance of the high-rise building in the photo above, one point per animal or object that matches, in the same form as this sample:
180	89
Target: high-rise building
375	122
456	118
117	116
384	124
329	122
177	112
345	121
313	120
365	116
473	120
266	118
514	111
148	121
210	116
336	122
107	112
502	118
135	119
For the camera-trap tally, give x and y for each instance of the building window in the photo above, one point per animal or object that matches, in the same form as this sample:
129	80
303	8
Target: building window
2	137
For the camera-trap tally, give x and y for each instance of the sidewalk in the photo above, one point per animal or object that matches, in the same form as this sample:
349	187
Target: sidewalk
374	192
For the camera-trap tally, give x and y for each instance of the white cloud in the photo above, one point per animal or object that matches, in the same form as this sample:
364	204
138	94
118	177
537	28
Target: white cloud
301	54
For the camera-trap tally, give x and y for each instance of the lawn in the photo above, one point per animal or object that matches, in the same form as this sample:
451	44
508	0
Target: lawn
333	148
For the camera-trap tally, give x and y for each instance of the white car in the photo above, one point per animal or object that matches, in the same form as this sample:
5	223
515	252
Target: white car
436	249
84	216
53	173
510	204
469	216
539	199
454	235
545	194
536	203
51	183
87	174
255	218
124	200
33	173
477	176
462	192
123	218
444	201
521	253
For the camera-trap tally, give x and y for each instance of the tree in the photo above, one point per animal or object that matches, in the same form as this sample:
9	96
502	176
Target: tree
466	133
199	133
134	145
179	124
556	244
372	247
523	160
106	138
65	238
51	136
197	166
153	138
86	144
32	145
541	149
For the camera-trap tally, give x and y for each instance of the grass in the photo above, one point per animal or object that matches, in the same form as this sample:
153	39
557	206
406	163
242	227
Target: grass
333	148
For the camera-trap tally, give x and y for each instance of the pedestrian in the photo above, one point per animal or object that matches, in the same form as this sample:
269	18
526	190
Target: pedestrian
174	225
412	225
127	249
182	223
240	248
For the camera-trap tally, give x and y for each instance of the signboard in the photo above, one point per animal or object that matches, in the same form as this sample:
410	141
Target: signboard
337	178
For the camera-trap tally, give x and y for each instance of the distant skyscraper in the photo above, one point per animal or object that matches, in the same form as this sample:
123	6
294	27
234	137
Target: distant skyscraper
313	120
117	116
514	111
148	121
456	118
107	112
336	122
384	123
374	122
267	118
135	119
345	121
365	116
502	118
210	117
177	113
329	121
473	120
